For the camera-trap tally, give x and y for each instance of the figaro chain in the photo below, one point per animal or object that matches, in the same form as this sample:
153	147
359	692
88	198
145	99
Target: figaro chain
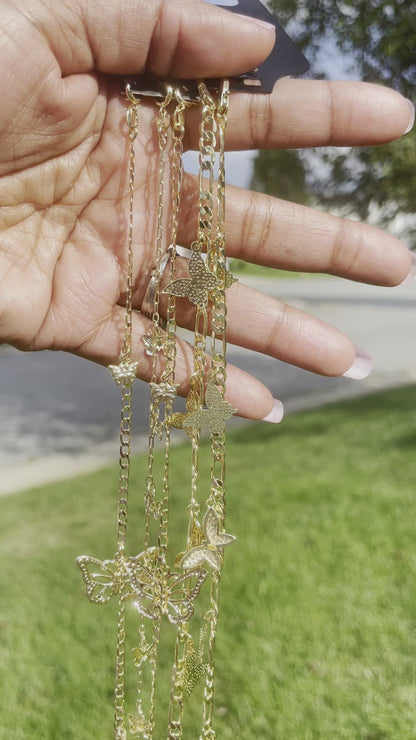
174	597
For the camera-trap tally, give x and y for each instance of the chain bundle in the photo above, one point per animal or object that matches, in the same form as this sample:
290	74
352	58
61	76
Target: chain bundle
173	592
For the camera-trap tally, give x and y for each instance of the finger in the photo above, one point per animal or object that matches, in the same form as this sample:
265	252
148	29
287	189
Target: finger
244	392
276	233
258	322
261	323
303	113
178	38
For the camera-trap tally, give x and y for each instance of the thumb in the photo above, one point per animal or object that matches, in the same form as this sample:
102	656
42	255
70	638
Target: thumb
178	38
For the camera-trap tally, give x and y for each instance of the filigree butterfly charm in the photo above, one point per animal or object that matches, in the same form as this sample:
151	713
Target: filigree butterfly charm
211	549
142	651
138	726
153	507
125	372
107	578
198	287
214	416
153	344
169	593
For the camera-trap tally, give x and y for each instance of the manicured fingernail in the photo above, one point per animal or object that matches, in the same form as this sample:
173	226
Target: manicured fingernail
412	273
412	117
361	367
258	22
276	414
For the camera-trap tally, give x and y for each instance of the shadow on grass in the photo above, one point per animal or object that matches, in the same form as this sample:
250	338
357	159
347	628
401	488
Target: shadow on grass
408	441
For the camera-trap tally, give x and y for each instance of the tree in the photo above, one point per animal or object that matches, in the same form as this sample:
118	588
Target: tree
377	39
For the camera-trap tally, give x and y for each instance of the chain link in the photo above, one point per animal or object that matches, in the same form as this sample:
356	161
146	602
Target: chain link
207	158
217	261
210	329
125	427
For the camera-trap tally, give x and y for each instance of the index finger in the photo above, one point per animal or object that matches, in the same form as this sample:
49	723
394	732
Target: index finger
304	113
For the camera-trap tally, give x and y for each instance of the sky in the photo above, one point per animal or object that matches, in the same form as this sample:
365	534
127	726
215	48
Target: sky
239	165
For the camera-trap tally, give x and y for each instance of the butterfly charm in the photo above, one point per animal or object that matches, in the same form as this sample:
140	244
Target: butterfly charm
169	593
138	726
193	403
143	650
163	391
193	668
198	286
229	279
153	344
141	654
214	416
210	551
125	372
107	578
153	507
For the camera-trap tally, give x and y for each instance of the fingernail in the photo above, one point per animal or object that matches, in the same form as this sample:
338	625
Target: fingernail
258	22
412	273
412	117
276	414
361	367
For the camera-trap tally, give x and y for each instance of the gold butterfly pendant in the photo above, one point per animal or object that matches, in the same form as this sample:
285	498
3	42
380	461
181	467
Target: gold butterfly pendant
163	391
193	403
211	549
141	654
125	372
154	344
138	726
198	287
193	668
169	593
214	416
107	578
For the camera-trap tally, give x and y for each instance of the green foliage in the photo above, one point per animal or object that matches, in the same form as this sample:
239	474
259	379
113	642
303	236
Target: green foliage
379	35
280	173
378	40
318	605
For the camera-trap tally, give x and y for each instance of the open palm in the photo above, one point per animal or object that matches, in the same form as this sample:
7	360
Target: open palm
64	204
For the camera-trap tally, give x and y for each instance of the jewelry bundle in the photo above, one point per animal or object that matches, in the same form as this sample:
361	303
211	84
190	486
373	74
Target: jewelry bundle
164	593
178	591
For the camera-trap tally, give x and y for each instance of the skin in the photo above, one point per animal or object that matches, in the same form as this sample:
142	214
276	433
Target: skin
64	185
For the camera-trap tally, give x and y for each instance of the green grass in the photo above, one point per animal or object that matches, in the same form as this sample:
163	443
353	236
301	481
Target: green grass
240	267
317	633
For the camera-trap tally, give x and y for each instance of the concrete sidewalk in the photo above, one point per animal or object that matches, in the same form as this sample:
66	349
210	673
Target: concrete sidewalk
57	467
60	413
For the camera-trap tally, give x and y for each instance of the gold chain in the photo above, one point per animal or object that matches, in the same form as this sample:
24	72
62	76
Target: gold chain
156	587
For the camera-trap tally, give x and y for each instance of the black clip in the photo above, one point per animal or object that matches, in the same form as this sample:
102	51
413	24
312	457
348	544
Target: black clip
285	60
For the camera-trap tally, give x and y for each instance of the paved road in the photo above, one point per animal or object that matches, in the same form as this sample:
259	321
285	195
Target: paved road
59	413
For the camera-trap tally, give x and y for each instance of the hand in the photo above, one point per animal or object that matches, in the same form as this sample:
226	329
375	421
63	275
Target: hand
64	194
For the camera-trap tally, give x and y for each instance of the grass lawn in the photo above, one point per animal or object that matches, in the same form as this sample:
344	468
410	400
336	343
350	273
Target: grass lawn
317	632
240	268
